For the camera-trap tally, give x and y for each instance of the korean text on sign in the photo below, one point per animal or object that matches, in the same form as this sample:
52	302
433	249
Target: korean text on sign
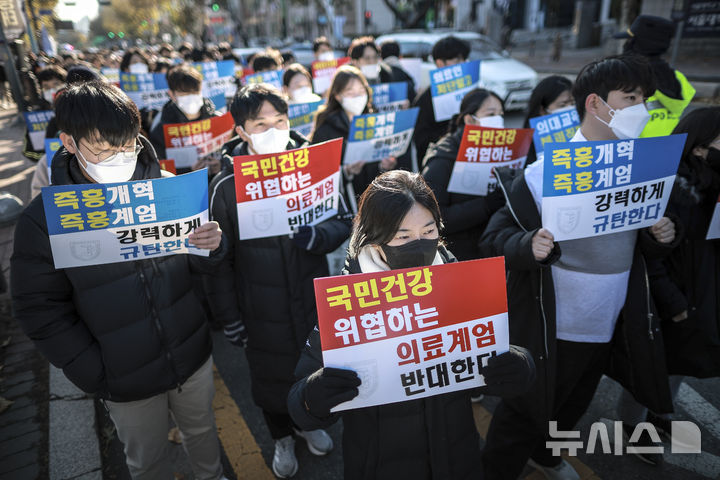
273	77
302	116
376	136
201	137
448	86
323	71
388	97
119	222
147	90
595	188
554	128
415	332
483	149
37	123
278	193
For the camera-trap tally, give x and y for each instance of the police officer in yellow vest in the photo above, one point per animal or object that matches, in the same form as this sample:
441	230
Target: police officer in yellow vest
650	37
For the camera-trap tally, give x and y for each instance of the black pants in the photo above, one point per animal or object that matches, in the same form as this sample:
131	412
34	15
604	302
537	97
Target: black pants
279	424
514	435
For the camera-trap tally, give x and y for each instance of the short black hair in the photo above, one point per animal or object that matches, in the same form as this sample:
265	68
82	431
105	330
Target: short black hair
125	62
358	45
545	93
287	56
292	70
52	72
618	72
319	42
389	48
183	78
97	111
702	127
81	74
163	63
248	101
449	48
269	59
471	103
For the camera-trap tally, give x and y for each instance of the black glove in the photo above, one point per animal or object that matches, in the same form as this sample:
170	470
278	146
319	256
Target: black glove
511	373
304	237
236	334
327	388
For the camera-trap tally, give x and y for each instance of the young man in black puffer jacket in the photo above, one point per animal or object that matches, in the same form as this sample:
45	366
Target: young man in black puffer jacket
131	333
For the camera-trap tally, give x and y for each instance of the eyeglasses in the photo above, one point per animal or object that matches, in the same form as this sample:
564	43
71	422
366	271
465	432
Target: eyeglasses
129	152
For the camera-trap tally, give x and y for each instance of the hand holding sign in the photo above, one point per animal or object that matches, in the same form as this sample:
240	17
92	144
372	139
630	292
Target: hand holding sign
511	373
542	244
664	230
329	387
207	236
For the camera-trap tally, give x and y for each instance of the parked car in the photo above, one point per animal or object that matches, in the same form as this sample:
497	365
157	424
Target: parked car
510	79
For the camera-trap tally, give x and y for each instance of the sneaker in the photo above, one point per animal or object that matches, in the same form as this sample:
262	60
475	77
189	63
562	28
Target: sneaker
284	464
643	442
477	398
318	441
564	471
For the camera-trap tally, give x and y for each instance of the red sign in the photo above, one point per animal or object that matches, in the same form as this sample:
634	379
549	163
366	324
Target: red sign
323	70
168	165
493	145
207	135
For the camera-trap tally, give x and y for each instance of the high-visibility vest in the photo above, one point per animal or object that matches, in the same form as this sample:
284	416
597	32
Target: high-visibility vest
665	111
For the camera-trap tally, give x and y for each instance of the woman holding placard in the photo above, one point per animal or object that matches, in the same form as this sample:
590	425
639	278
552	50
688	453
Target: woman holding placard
397	226
465	216
349	95
553	94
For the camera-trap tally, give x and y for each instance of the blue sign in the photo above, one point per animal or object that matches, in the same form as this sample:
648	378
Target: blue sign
389	96
273	77
448	86
37	123
595	188
376	136
556	127
302	116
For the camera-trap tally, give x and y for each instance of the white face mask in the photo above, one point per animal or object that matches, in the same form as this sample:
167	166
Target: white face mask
326	56
355	105
563	109
494	121
302	94
272	140
49	95
138	68
371	72
117	168
627	122
190	104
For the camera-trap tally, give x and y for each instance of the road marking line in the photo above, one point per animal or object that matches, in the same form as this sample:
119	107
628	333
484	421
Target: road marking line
238	442
698	408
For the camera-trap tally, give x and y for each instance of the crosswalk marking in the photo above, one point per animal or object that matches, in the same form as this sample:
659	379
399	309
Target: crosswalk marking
238	442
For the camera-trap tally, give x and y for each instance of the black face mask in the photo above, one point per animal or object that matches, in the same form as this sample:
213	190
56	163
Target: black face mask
418	253
713	159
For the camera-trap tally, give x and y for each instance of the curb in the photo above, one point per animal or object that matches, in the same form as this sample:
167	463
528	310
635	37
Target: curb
73	442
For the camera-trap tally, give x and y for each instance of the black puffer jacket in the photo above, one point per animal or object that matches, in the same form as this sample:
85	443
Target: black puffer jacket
124	331
689	278
267	283
427	130
337	125
429	438
170	114
464	216
637	354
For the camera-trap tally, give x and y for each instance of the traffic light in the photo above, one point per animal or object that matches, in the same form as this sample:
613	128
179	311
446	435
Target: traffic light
215	7
121	34
368	18
111	35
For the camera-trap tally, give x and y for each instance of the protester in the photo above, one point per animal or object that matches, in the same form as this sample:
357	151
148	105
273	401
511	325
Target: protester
51	80
686	283
131	333
465	216
135	61
186	104
267	61
552	94
650	37
397	226
447	51
349	95
322	50
575	303
263	292
297	84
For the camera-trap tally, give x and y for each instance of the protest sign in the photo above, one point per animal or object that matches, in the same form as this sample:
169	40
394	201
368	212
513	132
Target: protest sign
273	77
277	193
415	332
323	71
168	165
37	123
52	145
714	229
481	150
448	86
186	142
556	127
98	223
147	90
302	116
596	188
112	75
388	97
414	68
376	136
